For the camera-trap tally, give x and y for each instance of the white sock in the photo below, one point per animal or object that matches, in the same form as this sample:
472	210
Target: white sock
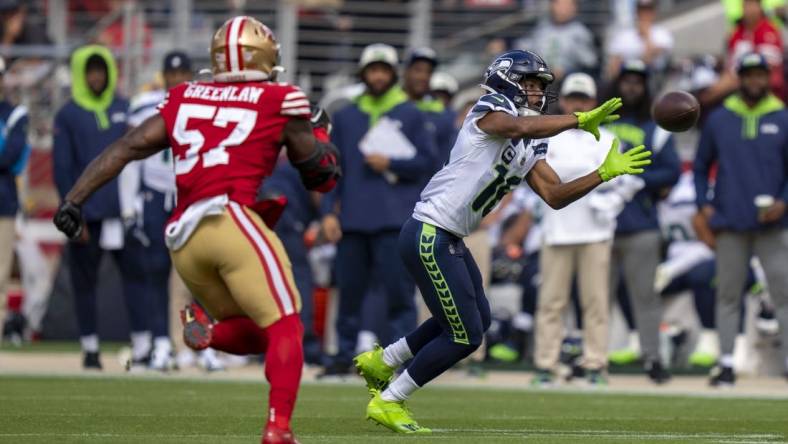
90	343
162	343
400	389
397	353
726	360
140	344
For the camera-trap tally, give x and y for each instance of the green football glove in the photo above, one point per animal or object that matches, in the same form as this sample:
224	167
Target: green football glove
617	163
603	114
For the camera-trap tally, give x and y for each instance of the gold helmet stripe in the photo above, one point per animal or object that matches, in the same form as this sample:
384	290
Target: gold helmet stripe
234	57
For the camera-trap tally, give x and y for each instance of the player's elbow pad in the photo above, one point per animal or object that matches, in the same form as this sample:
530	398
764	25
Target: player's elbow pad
321	171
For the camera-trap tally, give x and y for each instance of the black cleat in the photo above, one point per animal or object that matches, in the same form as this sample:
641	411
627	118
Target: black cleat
577	372
91	361
722	377
656	372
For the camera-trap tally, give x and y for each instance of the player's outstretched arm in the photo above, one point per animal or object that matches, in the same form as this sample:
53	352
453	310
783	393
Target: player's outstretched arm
147	139
538	127
312	154
546	183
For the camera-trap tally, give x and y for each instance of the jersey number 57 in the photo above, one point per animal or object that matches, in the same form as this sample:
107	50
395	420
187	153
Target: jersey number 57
245	120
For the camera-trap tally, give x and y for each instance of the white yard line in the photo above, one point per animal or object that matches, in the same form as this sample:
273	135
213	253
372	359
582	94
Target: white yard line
68	365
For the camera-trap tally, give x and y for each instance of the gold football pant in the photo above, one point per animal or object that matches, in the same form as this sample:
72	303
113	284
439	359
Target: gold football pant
236	266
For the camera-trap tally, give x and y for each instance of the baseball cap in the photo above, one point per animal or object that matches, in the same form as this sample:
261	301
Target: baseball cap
441	81
378	53
177	61
423	53
579	83
635	66
750	61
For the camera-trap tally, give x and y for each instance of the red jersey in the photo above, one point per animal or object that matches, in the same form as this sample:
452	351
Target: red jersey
226	137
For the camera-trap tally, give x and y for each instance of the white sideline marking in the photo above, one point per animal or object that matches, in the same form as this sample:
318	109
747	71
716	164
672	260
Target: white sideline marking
607	434
617	434
126	435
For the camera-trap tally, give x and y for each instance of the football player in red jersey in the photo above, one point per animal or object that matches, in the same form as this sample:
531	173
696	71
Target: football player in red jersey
226	135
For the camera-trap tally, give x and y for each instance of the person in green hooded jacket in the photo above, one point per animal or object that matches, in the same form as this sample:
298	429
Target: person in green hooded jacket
94	118
743	205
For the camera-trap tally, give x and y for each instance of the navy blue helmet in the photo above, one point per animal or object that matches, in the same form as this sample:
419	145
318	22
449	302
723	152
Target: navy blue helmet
510	68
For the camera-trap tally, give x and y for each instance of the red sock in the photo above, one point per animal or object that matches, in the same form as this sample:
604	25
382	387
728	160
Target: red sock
284	362
238	335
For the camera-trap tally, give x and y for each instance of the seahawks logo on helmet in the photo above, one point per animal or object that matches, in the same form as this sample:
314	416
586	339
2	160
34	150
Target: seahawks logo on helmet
500	64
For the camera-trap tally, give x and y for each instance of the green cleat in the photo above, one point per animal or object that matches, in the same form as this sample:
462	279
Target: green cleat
392	415
701	359
371	367
623	357
503	353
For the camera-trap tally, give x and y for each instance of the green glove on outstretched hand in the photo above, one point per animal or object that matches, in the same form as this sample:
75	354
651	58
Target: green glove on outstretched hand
617	163
590	121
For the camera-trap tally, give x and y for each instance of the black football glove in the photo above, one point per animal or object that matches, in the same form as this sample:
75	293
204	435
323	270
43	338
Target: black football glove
68	220
320	118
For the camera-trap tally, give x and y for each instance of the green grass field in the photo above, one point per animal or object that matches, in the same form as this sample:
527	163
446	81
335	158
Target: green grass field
146	410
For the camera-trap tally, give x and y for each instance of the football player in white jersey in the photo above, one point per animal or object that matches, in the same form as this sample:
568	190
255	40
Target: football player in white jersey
501	143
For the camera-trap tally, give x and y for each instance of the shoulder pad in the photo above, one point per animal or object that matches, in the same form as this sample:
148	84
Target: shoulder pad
495	102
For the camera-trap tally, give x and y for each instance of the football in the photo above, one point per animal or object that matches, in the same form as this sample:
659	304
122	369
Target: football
676	111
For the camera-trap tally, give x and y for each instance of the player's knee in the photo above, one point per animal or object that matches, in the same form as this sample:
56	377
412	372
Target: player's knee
486	319
475	338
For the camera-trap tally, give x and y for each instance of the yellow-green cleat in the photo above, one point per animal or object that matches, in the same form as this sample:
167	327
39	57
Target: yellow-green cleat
392	415
701	359
373	369
623	357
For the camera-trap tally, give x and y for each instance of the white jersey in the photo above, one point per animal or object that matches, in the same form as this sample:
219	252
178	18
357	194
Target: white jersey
675	218
482	169
157	170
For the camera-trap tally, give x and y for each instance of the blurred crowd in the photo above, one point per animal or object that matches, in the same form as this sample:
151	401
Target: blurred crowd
626	276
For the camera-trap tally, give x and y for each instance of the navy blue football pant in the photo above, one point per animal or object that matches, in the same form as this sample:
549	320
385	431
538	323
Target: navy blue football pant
451	286
701	280
155	261
84	260
359	257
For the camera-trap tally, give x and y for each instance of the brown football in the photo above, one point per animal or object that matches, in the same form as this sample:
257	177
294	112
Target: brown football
676	111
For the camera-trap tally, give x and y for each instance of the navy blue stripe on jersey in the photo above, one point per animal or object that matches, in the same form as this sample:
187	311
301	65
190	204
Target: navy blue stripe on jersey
495	102
540	149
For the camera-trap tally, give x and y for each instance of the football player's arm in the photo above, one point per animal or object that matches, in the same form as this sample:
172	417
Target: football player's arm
507	126
147	139
546	183
316	160
539	127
